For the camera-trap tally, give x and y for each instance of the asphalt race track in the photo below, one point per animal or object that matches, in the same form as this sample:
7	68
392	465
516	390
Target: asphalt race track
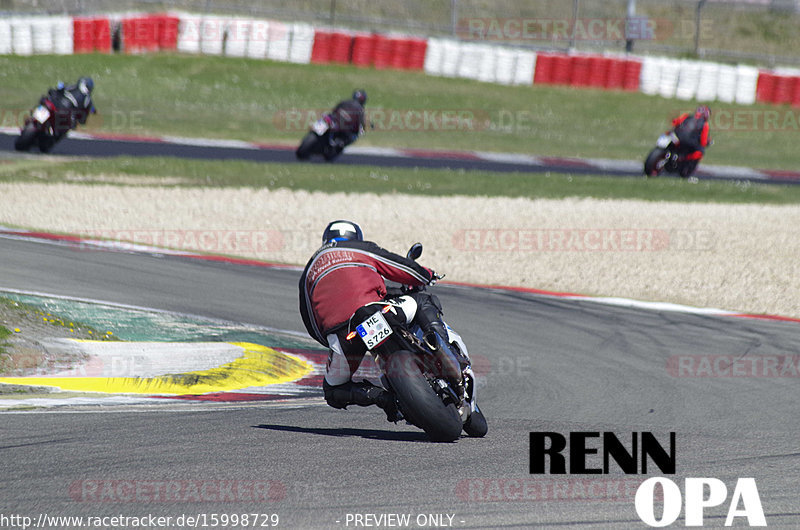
87	146
553	365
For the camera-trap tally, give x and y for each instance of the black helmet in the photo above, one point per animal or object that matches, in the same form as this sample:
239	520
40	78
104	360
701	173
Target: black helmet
360	96
342	230
86	85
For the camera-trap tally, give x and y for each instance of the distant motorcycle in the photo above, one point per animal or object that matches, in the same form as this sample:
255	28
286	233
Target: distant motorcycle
325	138
46	125
665	157
431	376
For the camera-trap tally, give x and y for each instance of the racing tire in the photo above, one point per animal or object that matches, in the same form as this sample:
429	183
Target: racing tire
651	168
476	425
46	143
26	138
418	401
307	146
331	154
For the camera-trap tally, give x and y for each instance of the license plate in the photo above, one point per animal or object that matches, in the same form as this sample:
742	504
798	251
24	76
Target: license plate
41	114
664	140
374	330
319	127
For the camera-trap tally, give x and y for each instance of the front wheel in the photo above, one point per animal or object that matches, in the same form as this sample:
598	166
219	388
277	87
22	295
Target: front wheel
654	164
476	425
26	138
307	146
420	404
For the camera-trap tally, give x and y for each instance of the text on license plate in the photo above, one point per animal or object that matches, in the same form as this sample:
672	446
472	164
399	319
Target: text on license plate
374	330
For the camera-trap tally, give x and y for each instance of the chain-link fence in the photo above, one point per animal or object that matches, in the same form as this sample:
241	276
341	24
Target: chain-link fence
762	31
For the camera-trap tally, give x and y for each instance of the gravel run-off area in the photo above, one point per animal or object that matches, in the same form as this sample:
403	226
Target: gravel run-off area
741	257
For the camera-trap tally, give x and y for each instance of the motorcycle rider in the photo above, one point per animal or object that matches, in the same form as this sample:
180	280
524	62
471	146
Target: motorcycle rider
349	118
344	275
692	131
74	103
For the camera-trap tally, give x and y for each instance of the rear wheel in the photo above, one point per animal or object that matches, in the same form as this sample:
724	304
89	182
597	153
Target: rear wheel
420	404
306	148
26	138
654	164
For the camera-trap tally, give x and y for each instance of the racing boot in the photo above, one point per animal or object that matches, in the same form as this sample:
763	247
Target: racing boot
362	394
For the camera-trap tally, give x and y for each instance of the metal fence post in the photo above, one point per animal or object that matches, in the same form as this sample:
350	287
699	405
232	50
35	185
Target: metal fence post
628	23
697	26
454	17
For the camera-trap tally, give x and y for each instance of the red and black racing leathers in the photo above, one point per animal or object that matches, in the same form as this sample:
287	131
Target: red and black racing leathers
693	134
346	275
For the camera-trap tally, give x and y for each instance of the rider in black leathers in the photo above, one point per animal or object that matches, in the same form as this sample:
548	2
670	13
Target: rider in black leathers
74	103
349	118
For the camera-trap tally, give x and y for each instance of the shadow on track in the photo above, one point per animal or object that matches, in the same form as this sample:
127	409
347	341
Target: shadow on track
371	434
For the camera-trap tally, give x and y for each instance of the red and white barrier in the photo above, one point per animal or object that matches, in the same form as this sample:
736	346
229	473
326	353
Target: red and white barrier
302	43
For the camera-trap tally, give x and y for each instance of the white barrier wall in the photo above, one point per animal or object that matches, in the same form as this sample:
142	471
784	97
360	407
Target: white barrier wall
746	84
726	83
212	35
63	43
650	75
487	69
189	33
469	61
451	52
524	67
688	80
42	34
302	43
434	56
280	38
21	36
5	37
505	66
259	39
707	88
668	82
237	33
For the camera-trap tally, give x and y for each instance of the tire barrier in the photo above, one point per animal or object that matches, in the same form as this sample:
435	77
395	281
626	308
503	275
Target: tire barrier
485	62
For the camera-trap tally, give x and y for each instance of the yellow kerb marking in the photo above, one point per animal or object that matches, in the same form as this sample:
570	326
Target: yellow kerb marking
258	366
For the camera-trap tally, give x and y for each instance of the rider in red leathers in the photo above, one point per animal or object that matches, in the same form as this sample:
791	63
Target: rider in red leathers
345	274
692	131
